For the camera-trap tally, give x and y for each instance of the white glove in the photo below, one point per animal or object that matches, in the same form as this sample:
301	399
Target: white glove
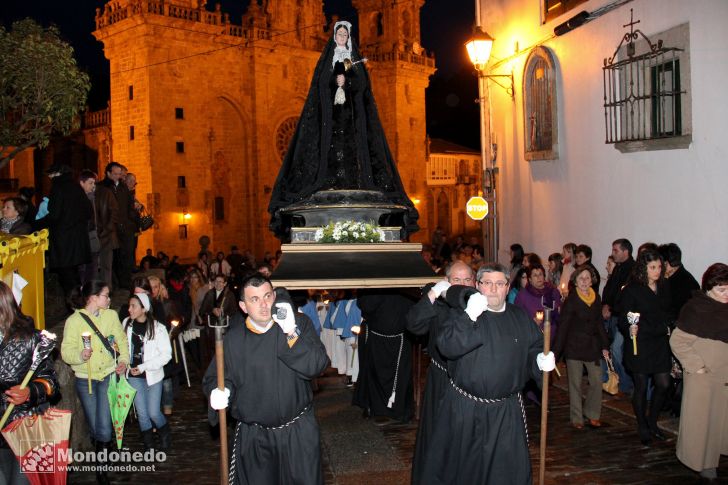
546	363
287	324
219	399
477	304
440	287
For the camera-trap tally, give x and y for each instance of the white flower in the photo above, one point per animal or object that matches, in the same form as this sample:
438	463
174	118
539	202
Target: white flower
355	234
318	235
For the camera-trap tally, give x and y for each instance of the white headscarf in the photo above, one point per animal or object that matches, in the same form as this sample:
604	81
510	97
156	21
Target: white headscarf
341	53
144	298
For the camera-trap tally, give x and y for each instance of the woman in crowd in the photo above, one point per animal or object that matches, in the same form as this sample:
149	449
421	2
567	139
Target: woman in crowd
13	220
149	350
220	265
172	369
610	265
517	254
141	284
567	260
530	259
582	341
647	294
700	342
93	317
556	266
520	282
19	339
539	294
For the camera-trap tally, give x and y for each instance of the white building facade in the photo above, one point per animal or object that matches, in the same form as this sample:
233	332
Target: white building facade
663	175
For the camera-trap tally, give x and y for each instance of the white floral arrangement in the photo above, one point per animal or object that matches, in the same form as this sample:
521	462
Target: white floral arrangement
349	232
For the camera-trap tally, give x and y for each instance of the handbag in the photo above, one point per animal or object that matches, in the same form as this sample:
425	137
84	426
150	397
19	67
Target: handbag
146	220
612	384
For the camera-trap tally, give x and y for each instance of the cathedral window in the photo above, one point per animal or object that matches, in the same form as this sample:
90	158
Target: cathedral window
540	115
131	93
219	208
284	133
179	113
131	132
180	145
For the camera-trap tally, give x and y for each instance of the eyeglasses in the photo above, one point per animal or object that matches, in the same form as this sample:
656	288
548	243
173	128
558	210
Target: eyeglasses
498	284
457	281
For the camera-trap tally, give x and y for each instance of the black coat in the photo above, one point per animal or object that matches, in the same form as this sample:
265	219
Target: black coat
581	334
69	212
616	281
682	285
653	337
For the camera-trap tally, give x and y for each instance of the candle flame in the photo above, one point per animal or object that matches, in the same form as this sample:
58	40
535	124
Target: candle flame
356	329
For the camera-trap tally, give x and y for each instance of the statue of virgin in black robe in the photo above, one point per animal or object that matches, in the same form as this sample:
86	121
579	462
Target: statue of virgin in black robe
338	146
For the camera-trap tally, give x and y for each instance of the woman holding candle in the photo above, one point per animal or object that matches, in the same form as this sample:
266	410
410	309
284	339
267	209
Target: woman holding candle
647	294
583	341
149	350
92	314
19	338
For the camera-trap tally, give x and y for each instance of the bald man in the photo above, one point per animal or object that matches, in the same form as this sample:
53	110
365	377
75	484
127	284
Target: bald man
425	317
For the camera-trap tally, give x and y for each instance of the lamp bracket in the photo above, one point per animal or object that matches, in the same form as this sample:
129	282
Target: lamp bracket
509	89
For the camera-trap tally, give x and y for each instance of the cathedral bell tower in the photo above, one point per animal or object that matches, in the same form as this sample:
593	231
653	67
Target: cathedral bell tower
400	70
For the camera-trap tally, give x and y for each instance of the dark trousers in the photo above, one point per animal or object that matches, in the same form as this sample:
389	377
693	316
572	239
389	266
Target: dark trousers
124	259
68	277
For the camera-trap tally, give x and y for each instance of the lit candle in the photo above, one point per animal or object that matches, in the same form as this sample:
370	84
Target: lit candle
539	316
86	339
175	324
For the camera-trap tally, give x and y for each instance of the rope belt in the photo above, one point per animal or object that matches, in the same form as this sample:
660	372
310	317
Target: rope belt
231	475
438	365
400	336
482	400
261	426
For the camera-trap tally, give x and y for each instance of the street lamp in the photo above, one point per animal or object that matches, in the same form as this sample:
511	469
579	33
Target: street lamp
479	47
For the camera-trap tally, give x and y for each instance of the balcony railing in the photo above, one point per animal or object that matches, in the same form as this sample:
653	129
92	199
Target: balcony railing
112	14
95	119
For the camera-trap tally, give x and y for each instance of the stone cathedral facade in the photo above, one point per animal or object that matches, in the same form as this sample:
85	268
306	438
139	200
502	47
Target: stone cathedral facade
202	109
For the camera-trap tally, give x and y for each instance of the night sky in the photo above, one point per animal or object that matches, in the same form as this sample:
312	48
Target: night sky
445	25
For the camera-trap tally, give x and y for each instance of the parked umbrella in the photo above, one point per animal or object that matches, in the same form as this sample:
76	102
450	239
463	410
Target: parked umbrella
121	397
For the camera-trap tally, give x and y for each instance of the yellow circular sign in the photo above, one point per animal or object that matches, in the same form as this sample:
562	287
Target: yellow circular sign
477	208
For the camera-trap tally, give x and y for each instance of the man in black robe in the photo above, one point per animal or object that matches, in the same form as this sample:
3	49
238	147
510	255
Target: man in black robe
270	358
492	349
426	318
384	387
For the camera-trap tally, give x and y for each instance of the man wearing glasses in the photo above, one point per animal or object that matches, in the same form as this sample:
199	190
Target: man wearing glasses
426	317
492	349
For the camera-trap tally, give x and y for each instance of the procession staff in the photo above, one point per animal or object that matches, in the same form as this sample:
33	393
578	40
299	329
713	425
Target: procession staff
269	359
494	348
